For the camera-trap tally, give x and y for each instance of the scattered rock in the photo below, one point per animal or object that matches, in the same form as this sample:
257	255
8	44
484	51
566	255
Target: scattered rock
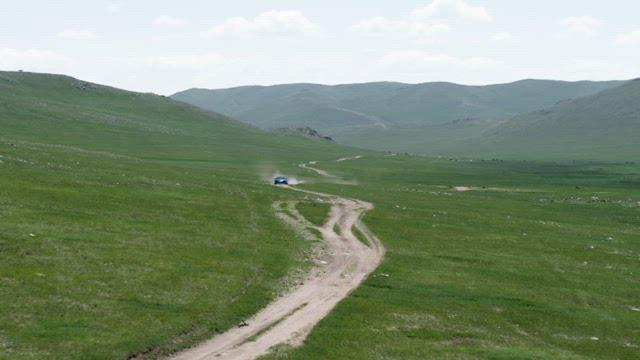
84	86
312	133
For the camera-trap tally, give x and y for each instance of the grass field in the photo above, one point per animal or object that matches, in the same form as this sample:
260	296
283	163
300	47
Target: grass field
536	261
315	212
105	257
130	223
133	224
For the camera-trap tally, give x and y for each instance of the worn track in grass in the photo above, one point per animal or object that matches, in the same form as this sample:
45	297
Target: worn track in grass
290	318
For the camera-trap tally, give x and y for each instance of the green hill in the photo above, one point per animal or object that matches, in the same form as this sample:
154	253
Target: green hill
73	112
359	107
437	139
605	126
432	118
132	222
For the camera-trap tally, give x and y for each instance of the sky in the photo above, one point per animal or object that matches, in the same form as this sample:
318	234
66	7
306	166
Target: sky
168	46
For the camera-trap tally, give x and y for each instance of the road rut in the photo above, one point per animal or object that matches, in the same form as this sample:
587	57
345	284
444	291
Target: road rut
291	317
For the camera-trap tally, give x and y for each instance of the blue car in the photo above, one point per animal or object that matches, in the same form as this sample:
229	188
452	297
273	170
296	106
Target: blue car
281	180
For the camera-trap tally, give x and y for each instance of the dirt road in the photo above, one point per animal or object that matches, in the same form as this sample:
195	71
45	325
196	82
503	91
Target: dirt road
318	171
290	318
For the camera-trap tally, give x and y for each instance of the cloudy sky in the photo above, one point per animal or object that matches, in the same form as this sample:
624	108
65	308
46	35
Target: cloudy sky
167	46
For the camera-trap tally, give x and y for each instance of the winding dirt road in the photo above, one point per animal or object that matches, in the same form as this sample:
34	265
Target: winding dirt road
290	318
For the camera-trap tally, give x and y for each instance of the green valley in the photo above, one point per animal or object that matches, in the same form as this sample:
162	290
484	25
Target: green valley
530	119
133	225
127	220
319	180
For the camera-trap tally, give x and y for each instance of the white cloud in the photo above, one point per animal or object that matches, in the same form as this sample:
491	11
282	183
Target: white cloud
422	66
77	35
630	38
504	37
181	62
114	7
426	24
580	25
31	59
400	28
275	22
162	38
166	20
596	69
452	9
421	61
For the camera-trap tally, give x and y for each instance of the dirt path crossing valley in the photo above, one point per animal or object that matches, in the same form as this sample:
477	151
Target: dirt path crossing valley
291	317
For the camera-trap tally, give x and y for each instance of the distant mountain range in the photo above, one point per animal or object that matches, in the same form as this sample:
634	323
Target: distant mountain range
445	118
385	104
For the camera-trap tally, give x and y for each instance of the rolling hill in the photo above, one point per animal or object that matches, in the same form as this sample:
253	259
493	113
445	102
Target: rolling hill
360	107
72	112
132	223
529	119
604	126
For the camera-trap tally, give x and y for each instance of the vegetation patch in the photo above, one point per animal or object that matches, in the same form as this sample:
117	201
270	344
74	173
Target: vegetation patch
316	212
360	235
490	274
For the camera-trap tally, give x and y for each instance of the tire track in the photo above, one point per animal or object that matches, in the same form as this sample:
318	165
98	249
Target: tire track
291	317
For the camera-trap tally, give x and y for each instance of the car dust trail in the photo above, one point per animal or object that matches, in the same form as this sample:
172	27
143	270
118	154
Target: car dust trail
349	158
291	317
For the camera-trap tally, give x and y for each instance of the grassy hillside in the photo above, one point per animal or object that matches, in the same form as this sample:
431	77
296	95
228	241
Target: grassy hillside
535	261
67	111
132	223
601	126
439	139
359	107
449	119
